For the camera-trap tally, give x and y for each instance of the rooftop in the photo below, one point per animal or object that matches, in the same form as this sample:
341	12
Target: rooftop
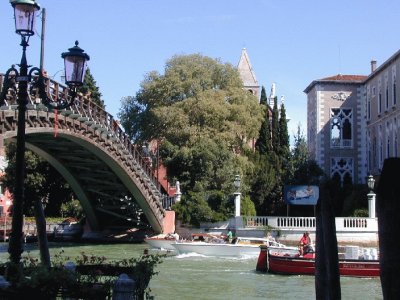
340	78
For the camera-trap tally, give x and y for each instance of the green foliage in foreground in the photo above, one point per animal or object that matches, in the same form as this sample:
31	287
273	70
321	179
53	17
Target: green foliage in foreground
32	278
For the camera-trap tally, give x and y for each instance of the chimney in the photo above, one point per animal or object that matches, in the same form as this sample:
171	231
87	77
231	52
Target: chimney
373	66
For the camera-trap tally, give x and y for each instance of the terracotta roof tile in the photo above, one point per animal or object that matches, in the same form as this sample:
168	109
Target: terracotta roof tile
340	77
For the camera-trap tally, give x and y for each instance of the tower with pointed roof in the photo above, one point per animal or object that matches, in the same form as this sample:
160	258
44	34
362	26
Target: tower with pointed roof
247	74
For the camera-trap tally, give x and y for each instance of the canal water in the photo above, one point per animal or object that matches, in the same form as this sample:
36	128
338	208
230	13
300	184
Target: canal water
199	277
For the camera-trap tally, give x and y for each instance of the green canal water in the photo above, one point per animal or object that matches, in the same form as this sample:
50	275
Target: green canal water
199	277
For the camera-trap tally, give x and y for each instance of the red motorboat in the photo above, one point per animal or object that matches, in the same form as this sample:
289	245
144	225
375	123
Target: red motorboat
288	264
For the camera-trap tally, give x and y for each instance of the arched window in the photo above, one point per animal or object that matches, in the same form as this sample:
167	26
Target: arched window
341	127
342	169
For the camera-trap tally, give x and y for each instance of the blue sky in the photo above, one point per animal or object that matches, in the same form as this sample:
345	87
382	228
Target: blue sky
289	42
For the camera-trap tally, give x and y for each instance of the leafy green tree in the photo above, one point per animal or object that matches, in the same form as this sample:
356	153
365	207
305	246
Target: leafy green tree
201	115
207	164
266	186
72	208
221	205
247	207
284	143
308	173
42	183
264	142
300	149
263	97
193	209
91	89
196	95
302	169
273	163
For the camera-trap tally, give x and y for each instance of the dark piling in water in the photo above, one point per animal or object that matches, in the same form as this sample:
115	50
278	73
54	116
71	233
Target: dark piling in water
327	277
388	210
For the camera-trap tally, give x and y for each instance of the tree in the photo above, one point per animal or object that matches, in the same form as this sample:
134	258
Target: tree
42	182
195	95
193	209
263	97
247	207
284	143
300	149
91	89
303	169
201	115
264	142
266	186
206	164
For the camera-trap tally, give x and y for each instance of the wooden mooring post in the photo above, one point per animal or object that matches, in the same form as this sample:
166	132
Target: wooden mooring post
327	277
388	210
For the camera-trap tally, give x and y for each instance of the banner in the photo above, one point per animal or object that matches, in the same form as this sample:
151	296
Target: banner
301	194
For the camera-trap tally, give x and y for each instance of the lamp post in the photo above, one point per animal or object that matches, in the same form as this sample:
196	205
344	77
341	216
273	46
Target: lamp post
237	194
75	67
371	196
238	219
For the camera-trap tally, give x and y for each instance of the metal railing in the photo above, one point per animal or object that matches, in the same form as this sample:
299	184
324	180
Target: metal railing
87	111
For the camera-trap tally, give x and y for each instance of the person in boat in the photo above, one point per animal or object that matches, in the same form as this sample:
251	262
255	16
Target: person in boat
229	237
305	244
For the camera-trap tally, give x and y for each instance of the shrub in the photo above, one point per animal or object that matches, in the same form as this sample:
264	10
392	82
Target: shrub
361	213
94	277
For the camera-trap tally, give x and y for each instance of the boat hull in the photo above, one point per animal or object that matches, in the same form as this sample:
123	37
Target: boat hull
159	243
306	266
209	249
291	265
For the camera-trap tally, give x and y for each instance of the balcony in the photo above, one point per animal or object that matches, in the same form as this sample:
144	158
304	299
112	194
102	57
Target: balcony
341	143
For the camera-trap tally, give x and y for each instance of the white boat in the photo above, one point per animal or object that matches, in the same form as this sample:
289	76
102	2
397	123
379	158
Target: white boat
241	246
161	242
166	241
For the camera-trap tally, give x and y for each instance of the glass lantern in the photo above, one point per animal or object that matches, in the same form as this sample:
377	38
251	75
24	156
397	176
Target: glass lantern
75	62
24	14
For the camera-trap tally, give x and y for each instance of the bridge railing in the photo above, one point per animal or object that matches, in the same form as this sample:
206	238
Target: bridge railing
168	201
309	223
101	119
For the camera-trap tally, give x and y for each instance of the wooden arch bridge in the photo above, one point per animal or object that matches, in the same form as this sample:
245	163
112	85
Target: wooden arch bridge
108	174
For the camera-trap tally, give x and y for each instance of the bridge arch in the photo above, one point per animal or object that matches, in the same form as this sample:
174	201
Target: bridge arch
95	156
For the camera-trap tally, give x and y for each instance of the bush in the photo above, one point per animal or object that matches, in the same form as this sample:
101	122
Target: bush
72	208
361	213
247	207
94	277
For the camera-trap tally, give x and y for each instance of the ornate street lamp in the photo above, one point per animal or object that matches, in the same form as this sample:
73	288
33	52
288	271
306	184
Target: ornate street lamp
371	183
237	194
24	13
75	62
236	182
371	196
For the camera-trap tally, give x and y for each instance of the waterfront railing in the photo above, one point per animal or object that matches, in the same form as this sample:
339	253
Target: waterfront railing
308	223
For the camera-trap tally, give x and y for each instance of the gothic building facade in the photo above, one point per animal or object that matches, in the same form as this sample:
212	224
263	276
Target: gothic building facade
353	121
